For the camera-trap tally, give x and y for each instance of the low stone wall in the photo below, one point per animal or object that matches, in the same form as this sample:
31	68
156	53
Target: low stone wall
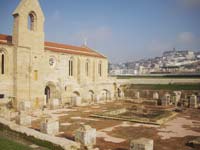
116	112
57	142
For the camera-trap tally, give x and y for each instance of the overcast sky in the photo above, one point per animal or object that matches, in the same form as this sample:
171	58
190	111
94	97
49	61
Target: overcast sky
123	30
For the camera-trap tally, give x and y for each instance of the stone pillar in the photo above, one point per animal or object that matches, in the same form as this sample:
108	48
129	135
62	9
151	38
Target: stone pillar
155	95
165	101
49	126
137	94
55	104
193	101
86	136
141	144
23	119
177	97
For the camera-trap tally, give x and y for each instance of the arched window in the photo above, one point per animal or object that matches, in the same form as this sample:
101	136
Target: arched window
32	21
100	68
71	67
87	67
2	61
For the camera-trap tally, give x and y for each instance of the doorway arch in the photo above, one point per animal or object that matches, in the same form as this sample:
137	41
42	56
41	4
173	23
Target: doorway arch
91	96
105	95
47	92
51	92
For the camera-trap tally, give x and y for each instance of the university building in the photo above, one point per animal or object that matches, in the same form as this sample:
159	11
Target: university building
37	71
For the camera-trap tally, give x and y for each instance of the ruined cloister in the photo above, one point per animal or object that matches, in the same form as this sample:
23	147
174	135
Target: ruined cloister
61	96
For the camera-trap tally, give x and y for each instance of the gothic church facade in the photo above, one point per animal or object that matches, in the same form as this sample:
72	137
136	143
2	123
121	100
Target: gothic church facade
38	71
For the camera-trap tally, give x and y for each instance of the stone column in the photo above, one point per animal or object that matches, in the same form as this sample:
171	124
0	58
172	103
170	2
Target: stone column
193	101
177	97
155	95
165	101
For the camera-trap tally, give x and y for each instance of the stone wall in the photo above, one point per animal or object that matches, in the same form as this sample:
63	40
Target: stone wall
149	94
116	112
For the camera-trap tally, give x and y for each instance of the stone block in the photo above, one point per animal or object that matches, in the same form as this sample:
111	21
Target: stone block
141	144
25	106
23	119
86	136
195	143
49	126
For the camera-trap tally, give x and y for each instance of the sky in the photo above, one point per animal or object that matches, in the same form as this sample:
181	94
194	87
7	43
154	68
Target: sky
123	30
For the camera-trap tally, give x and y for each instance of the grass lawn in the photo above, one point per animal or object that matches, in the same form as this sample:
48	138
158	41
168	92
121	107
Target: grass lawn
6	144
159	76
166	86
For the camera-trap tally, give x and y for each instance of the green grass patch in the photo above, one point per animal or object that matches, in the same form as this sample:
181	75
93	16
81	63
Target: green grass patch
6	144
42	143
166	86
160	76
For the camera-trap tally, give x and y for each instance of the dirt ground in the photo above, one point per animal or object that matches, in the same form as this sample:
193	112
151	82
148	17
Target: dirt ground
116	135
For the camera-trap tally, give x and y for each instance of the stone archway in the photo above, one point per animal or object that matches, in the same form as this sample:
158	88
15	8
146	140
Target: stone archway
47	93
51	92
91	96
105	95
119	92
76	99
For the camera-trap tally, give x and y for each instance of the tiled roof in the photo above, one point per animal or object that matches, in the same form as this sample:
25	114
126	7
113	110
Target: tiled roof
5	39
61	48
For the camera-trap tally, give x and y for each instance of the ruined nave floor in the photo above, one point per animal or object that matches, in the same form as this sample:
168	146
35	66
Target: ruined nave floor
116	135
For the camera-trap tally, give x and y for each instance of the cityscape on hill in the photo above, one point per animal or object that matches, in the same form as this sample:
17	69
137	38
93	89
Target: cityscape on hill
171	62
